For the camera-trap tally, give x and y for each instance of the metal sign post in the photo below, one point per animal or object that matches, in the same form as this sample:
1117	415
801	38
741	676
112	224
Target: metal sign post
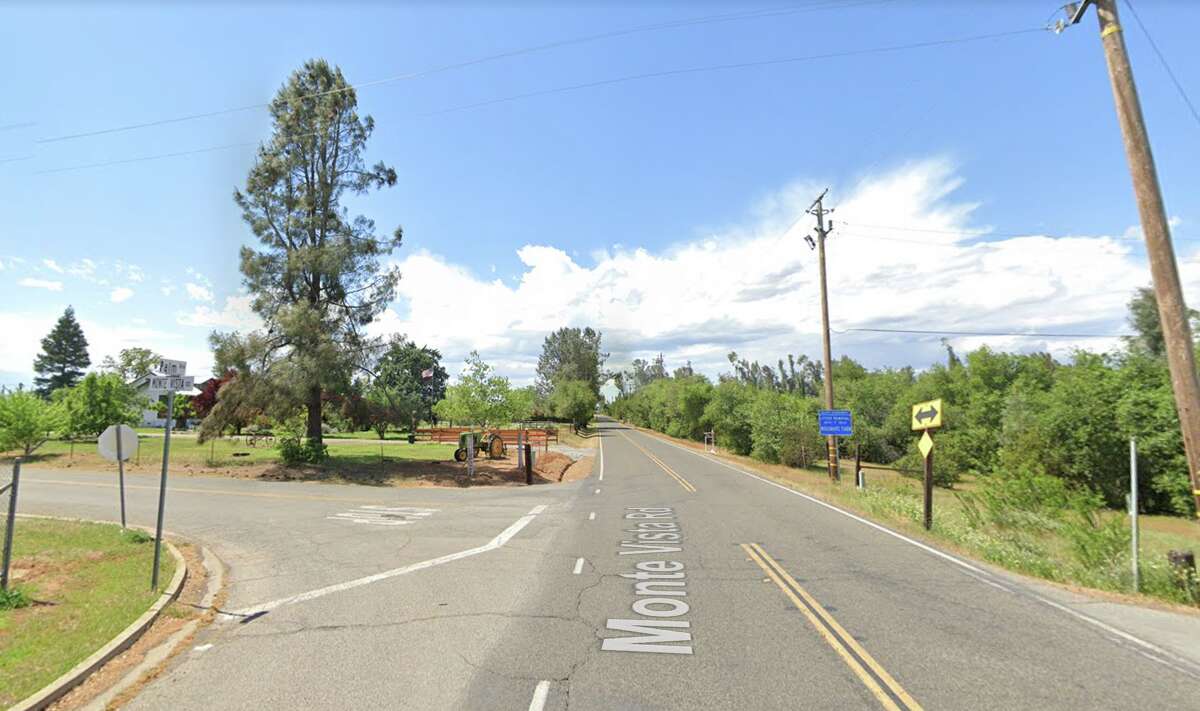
1133	511
118	442
925	417
172	381
121	475
162	487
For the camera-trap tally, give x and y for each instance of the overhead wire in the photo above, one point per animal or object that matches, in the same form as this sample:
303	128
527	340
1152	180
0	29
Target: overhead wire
1163	60
670	24
1022	334
617	80
735	65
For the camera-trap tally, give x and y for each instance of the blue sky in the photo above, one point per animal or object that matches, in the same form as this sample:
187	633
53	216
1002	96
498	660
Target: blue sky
657	209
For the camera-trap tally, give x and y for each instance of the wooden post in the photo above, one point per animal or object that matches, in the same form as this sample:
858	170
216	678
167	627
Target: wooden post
1172	310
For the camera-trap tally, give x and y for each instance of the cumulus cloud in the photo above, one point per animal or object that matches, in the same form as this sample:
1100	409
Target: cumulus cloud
197	292
40	284
236	315
52	265
752	286
121	293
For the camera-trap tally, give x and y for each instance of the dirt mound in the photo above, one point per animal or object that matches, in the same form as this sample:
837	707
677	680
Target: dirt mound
581	469
552	465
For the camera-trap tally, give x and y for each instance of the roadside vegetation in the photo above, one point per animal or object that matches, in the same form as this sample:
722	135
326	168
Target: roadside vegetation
1034	455
80	584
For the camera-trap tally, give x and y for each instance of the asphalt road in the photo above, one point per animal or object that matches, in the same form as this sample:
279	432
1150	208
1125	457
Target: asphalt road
665	580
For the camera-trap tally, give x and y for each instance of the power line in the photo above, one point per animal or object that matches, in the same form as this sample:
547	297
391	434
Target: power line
686	22
1025	334
736	65
1163	60
981	232
616	80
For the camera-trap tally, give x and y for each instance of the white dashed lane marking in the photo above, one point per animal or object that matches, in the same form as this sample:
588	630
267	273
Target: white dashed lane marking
383	515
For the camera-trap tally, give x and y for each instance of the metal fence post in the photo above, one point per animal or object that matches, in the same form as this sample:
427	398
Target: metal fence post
8	526
528	464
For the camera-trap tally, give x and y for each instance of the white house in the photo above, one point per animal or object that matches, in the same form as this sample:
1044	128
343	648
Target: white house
150	417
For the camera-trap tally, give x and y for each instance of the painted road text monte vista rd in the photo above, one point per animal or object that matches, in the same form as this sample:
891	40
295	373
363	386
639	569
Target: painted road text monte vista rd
659	587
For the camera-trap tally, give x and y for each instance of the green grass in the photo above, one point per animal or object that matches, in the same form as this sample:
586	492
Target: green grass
88	582
1050	551
222	453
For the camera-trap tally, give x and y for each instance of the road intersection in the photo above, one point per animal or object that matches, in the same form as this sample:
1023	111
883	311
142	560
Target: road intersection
667	579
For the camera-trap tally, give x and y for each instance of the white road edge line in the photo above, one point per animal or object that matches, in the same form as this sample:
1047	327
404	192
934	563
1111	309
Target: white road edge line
540	692
1177	659
592	516
597	491
504	537
601	445
578	566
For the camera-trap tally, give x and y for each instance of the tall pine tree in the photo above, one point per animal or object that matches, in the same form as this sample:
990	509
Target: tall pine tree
64	356
317	277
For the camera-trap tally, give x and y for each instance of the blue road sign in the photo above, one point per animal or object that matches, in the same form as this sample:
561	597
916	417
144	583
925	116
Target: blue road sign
835	423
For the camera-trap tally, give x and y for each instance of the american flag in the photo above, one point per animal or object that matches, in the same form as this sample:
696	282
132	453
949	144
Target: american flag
427	374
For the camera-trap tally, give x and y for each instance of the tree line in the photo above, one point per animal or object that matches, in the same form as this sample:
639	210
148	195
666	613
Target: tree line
1007	414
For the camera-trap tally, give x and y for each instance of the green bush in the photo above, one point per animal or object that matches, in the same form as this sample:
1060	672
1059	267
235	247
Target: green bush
13	598
294	450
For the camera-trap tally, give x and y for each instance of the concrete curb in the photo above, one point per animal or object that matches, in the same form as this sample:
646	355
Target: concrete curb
60	686
162	653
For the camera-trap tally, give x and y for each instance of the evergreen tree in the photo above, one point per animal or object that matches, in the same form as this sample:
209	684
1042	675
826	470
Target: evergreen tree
64	356
317	278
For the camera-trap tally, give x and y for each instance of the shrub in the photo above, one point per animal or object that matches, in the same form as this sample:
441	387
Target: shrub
294	450
13	598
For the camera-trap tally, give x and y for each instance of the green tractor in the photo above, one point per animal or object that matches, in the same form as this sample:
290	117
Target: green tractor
490	445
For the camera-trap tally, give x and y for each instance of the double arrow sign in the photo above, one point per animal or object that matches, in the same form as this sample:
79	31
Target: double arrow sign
927	415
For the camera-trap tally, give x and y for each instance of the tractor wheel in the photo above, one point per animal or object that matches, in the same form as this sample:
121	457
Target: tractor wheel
460	455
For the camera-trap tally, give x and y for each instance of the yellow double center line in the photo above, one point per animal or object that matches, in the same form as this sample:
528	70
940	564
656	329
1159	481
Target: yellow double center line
687	485
889	693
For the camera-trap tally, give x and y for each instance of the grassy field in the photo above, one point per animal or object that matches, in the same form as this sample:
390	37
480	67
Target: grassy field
87	582
1062	551
186	451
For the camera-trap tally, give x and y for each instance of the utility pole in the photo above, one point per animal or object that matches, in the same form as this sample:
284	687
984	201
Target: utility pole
1172	311
818	209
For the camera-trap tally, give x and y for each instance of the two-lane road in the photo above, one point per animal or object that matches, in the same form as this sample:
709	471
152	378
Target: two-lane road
667	579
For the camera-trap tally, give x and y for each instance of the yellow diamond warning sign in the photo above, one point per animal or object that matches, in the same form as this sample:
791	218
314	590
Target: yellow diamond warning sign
925	445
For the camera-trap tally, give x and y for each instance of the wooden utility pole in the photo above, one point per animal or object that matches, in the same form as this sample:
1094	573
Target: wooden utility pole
818	209
1172	311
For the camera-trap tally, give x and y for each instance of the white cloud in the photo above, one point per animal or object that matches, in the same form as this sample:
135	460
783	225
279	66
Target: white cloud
121	293
41	284
52	265
84	268
167	290
198	277
134	273
752	288
198	293
236	315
